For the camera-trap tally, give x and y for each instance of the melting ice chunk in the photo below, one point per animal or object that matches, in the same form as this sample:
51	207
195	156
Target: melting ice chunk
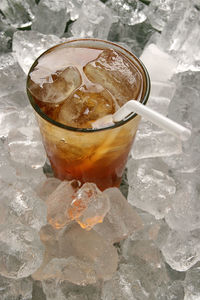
116	74
54	87
58	203
89	206
85	106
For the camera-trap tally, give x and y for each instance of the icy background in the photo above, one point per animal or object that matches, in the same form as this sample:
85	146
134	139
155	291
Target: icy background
161	259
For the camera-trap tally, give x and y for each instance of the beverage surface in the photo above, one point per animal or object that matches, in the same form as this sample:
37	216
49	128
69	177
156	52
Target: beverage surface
77	86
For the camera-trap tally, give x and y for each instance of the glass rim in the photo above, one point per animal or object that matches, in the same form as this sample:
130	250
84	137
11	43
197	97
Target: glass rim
131	116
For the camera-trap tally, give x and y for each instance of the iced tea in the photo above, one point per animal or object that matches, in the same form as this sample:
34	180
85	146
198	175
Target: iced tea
73	87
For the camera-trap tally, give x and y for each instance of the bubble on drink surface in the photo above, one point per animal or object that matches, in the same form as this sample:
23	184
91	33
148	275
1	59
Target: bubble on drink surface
86	106
89	206
116	74
21	251
54	87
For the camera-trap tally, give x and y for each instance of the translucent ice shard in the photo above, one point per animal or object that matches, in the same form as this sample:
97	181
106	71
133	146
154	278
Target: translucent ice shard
89	247
151	140
76	255
158	12
181	249
71	269
28	45
136	280
64	290
191	283
46	188
160	65
19	13
150	186
12	77
74	8
128	12
21	205
58	203
25	146
51	10
15	289
181	32
185	208
94	21
121	220
89	206
21	251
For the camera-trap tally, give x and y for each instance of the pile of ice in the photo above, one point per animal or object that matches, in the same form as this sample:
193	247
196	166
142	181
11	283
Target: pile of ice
146	248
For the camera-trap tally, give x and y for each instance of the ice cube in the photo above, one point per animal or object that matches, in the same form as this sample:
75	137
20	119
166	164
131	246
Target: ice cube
71	269
14	101
94	21
58	203
21	251
64	290
160	65
181	249
89	206
184	107
185	208
191	283
89	250
113	72
7	171
74	8
84	107
150	229
145	250
25	146
128	12
28	45
138	280
54	88
89	247
158	12
19	13
48	237
12	77
54	11
162	90
15	289
121	220
5	42
150	186
46	188
152	141
21	205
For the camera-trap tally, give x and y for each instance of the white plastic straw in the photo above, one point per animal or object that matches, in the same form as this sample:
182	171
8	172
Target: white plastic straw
153	116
